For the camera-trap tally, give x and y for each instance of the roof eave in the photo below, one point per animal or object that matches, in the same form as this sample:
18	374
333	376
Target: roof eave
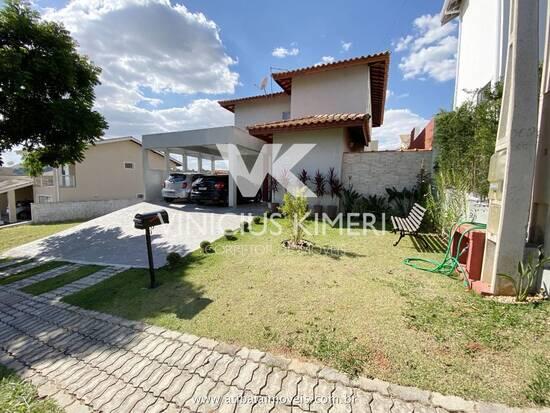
450	10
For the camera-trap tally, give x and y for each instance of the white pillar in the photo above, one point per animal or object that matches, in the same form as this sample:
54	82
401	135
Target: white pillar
12	207
212	164
199	162
184	162
166	163
512	177
232	184
145	165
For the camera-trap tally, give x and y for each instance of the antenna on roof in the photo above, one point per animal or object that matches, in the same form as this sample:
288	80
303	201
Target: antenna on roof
262	85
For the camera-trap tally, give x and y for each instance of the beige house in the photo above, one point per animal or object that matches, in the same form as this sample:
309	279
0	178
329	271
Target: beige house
112	169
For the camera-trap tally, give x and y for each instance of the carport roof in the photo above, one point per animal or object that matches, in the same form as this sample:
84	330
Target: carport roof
10	183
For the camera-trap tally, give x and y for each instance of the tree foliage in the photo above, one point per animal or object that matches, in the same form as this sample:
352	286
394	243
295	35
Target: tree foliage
465	140
46	89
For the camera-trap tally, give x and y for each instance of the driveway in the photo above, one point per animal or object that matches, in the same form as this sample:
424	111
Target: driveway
113	240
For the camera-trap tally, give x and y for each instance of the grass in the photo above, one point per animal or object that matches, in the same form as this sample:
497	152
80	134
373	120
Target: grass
355	307
50	265
18	396
22	234
50	284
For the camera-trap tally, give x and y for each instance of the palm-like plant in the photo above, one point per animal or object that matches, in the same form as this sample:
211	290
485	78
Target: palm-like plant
320	181
304	177
527	274
334	184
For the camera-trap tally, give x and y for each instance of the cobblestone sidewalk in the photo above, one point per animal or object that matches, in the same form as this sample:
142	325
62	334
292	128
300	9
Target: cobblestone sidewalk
89	361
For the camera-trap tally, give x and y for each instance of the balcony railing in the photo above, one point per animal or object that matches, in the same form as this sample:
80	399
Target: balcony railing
67	181
44	181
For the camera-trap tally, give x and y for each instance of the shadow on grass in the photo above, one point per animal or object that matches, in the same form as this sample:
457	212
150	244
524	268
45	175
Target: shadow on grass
430	243
128	294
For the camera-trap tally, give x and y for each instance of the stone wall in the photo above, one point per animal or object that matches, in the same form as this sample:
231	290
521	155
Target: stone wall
372	172
76	211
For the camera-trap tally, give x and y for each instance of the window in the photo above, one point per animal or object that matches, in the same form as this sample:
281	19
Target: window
67	177
481	94
128	165
44	199
286	115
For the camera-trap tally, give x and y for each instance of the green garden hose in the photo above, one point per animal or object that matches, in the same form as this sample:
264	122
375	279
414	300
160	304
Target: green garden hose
449	263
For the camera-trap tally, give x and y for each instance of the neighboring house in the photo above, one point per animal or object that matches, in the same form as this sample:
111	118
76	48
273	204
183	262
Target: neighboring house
109	177
333	105
111	169
482	43
424	140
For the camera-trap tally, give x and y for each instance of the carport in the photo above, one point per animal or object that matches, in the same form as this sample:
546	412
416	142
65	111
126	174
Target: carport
12	190
201	144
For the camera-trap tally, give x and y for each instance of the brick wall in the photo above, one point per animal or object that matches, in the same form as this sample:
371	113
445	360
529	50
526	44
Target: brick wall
372	172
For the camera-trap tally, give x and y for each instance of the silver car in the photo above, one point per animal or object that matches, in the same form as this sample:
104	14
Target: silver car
178	186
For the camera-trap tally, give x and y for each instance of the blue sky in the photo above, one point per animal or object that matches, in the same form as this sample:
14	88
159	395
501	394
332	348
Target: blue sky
166	63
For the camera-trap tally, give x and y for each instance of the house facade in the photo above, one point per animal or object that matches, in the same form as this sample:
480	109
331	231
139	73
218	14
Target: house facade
333	106
483	43
111	170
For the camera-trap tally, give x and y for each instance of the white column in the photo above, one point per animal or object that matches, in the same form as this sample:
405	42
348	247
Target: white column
199	162
12	207
516	145
232	185
145	165
212	164
184	161
166	163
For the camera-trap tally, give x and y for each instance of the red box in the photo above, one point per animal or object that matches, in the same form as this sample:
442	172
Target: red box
472	258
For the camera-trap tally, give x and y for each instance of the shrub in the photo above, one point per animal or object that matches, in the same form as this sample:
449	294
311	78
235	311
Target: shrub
527	274
373	204
245	226
229	234
349	196
173	259
295	210
335	185
257	220
304	177
319	180
206	247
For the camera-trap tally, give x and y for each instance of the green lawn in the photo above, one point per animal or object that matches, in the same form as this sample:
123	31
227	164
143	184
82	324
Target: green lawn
362	311
42	287
18	396
14	236
50	265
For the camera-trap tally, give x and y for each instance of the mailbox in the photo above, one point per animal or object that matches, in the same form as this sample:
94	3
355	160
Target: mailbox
151	219
146	222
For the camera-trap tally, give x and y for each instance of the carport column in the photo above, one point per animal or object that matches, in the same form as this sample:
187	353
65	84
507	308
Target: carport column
145	163
184	161
212	161
166	162
12	207
199	163
232	184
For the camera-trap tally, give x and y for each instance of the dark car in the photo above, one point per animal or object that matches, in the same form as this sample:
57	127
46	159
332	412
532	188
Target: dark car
215	189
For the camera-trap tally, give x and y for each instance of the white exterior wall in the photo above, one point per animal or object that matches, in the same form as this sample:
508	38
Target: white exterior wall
334	91
372	172
483	44
261	110
72	211
330	146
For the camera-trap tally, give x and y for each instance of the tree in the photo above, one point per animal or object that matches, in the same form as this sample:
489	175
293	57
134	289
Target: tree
46	89
465	139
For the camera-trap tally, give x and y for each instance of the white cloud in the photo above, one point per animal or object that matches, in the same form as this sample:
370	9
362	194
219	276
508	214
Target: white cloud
326	59
397	122
431	49
151	45
345	46
282	52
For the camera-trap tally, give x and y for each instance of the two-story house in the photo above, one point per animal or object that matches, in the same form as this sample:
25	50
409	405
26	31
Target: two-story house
333	105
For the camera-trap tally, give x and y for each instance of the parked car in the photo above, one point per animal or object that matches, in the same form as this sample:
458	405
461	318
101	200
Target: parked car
215	189
178	186
23	210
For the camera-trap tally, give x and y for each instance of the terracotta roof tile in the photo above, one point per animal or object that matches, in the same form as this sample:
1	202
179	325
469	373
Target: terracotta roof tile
309	122
229	104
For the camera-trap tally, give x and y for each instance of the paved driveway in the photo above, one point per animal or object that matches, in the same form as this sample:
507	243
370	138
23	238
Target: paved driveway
112	238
